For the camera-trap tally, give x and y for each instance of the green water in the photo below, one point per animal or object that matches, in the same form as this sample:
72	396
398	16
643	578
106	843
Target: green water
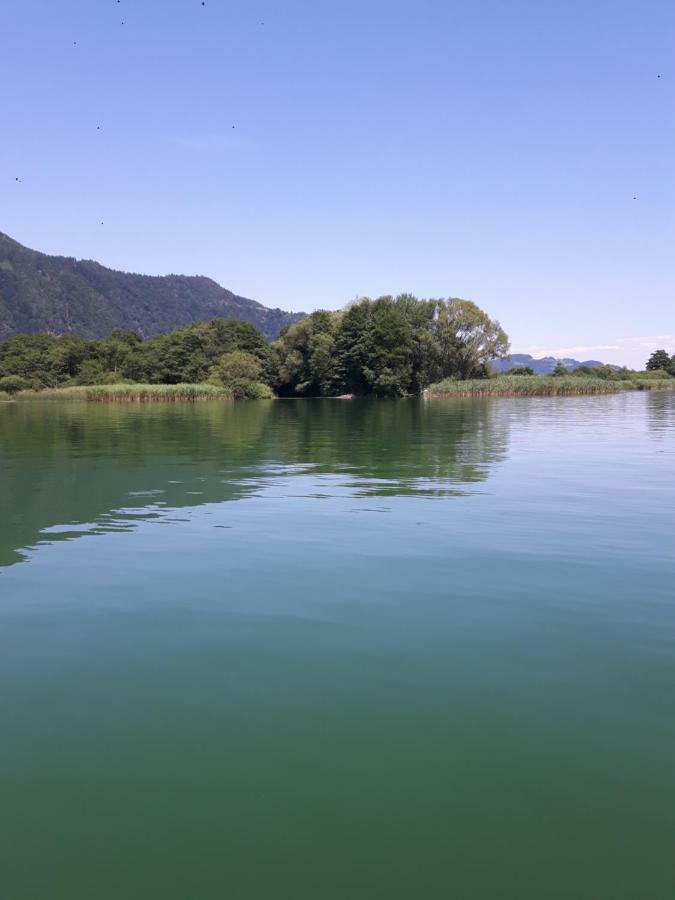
323	649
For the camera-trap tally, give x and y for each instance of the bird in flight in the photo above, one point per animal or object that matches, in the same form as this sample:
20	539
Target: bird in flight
18	179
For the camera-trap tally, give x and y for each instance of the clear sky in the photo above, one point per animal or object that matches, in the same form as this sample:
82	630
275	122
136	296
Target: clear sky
520	153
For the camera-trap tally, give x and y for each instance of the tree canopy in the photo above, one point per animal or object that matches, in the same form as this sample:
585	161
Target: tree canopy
661	360
390	347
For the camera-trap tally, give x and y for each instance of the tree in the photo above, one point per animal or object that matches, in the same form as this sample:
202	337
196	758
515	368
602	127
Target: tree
659	360
92	371
237	365
240	372
12	384
305	363
559	370
468	338
521	370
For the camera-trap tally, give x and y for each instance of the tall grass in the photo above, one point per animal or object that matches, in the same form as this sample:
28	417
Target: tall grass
75	392
130	393
150	393
527	386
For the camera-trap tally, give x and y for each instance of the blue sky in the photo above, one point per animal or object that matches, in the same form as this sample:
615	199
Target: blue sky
490	150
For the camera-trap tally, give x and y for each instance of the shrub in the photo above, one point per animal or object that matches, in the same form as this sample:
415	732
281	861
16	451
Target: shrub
12	384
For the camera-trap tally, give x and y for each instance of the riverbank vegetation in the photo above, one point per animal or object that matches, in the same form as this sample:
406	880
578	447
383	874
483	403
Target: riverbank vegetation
388	347
148	393
391	346
526	385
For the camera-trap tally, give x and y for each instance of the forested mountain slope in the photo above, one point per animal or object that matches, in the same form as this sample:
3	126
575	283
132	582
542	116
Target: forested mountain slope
60	294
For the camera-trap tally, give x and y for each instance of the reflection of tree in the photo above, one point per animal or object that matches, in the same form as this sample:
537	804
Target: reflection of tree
73	463
661	413
400	447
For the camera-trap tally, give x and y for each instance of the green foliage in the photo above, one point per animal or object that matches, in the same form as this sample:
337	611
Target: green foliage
304	357
239	373
183	356
391	346
661	360
521	370
92	371
654	375
12	384
560	370
469	339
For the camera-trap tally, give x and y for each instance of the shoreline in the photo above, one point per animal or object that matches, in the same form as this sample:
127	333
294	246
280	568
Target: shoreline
501	386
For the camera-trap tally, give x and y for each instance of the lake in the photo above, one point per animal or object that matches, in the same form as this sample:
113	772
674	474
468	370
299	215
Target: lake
329	649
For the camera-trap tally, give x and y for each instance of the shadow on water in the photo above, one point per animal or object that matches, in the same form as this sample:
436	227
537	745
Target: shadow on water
69	469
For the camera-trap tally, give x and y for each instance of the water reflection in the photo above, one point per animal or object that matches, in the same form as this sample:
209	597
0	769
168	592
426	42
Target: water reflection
69	469
661	413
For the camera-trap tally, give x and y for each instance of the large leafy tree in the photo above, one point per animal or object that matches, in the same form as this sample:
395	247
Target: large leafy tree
468	338
240	372
386	346
305	364
659	360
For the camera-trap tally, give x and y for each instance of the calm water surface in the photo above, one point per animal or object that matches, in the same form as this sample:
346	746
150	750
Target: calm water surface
338	650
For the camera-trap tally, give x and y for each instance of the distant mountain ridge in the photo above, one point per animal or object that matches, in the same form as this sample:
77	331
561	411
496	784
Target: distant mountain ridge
60	294
545	365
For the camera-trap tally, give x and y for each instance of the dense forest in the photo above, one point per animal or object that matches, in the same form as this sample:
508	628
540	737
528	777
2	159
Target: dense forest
391	346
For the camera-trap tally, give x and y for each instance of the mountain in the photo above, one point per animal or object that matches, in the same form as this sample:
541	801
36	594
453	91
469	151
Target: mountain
60	294
545	365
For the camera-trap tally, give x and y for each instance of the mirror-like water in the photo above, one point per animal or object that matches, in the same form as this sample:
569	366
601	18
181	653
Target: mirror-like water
323	649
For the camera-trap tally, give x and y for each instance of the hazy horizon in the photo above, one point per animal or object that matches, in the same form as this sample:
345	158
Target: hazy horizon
516	155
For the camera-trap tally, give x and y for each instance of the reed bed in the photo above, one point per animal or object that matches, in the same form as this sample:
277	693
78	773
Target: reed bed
130	393
153	393
527	386
75	392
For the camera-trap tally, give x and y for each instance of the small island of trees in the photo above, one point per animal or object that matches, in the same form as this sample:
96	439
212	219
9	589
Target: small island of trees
388	347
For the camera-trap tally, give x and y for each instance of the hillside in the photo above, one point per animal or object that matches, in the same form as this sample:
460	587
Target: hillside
545	365
59	294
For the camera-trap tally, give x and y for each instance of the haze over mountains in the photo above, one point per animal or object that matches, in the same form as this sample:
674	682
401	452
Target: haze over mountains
60	294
